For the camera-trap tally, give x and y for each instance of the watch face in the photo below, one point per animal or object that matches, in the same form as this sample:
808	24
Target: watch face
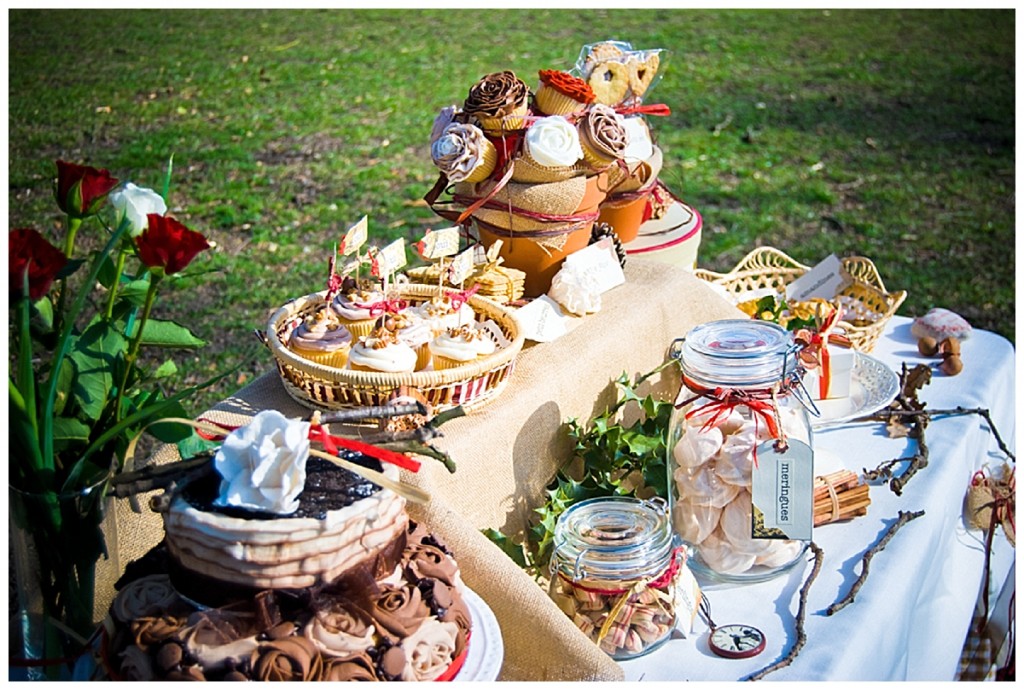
736	641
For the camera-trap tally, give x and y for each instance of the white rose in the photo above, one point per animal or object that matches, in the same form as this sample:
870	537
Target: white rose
136	203
429	650
263	464
554	142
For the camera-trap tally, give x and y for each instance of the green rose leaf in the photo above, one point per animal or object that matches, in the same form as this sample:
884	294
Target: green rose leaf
169	334
134	291
99	358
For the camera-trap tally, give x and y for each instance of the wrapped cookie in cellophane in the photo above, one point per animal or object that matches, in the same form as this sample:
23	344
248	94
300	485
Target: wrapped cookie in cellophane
618	74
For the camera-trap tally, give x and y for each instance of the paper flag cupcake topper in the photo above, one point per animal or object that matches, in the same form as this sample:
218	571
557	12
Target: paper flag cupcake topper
355	238
462	267
439	243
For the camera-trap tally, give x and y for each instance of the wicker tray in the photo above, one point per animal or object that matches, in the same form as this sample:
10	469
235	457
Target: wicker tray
867	306
329	388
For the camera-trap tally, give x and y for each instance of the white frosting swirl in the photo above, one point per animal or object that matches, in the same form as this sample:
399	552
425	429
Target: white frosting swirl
339	634
463	344
440	315
429	650
553	142
413	330
263	464
147	596
392	358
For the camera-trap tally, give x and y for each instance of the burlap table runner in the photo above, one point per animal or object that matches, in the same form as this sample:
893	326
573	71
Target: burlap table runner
508	451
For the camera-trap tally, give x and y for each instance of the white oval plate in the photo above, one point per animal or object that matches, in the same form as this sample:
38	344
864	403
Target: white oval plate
873	385
486	649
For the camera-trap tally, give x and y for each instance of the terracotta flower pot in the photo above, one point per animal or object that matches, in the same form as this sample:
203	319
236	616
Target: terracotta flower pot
540	263
624	216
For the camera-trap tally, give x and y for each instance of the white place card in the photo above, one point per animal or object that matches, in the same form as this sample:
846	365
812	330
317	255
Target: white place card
823	281
542	320
598	264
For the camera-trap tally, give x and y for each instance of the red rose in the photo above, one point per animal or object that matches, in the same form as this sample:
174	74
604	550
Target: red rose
81	190
168	244
30	251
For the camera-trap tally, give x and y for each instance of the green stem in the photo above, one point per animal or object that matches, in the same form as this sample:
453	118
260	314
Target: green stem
61	351
136	341
121	256
69	242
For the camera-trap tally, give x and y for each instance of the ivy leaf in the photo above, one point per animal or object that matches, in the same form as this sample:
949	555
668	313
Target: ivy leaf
508	547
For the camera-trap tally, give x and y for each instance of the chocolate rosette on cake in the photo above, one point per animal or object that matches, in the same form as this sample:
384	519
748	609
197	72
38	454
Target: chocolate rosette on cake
283	561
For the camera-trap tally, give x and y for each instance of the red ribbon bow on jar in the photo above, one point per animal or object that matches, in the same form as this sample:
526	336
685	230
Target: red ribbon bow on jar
814	353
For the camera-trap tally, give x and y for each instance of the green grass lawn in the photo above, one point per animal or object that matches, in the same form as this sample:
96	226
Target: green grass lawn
888	134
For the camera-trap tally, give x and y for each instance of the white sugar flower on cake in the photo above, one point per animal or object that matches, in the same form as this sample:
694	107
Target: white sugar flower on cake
263	464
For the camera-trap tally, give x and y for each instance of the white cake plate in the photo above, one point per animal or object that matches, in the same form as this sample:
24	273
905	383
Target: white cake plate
486	648
873	385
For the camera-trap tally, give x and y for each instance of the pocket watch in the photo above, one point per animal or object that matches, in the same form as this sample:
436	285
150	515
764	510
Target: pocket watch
733	641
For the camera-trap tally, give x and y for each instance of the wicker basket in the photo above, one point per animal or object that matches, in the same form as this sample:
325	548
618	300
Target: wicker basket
866	304
329	388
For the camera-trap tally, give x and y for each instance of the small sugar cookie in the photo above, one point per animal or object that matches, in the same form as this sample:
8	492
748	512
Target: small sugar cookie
641	73
600	52
609	81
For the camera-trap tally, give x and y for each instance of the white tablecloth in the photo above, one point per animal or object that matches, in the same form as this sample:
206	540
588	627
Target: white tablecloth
911	617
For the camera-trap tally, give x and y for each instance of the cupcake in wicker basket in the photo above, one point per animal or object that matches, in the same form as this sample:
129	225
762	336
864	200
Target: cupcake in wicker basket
462	345
381	351
441	312
463	153
352	306
321	338
560	93
411	330
499	102
603	136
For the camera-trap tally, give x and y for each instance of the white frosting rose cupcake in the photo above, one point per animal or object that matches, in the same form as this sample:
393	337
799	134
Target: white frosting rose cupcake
441	314
460	346
380	351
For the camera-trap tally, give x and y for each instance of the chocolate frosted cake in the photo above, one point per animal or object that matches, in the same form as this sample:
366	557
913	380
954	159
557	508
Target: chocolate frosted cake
342	586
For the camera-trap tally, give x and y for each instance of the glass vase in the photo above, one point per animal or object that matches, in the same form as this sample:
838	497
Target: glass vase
64	562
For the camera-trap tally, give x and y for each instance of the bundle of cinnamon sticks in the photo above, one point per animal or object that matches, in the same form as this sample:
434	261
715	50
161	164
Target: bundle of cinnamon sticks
851	497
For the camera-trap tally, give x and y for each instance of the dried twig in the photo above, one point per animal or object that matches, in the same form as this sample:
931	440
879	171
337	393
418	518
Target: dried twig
361	414
801	615
904	518
958	410
159	476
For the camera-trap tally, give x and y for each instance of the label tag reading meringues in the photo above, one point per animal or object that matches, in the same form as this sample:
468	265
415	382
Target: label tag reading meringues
461	266
823	281
782	491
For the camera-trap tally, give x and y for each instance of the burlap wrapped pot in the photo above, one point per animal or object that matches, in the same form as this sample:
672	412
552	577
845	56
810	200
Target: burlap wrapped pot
526	169
535	245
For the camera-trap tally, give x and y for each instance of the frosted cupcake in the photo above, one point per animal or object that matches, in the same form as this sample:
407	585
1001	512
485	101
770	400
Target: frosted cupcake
463	153
321	338
560	93
499	102
603	136
440	314
380	351
353	310
461	345
414	331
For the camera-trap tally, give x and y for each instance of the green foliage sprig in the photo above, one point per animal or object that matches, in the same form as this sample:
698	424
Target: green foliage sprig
609	458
